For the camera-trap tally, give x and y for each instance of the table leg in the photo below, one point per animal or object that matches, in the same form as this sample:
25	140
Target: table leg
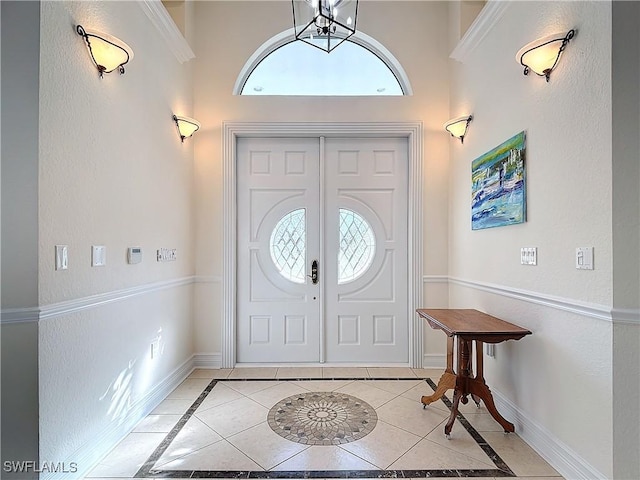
479	388
479	369
447	380
454	412
462	382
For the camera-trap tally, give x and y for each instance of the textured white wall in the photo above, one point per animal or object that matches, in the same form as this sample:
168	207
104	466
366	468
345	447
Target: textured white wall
626	237
414	32
19	347
113	172
561	375
20	155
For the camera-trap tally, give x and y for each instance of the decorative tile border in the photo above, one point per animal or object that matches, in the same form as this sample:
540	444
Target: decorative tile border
147	470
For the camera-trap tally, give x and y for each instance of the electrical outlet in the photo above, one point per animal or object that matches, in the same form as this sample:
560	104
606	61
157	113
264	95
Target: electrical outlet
490	349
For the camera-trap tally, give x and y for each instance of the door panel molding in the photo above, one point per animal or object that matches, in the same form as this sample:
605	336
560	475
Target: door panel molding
412	131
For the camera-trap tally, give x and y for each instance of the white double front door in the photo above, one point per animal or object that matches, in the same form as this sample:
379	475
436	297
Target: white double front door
322	250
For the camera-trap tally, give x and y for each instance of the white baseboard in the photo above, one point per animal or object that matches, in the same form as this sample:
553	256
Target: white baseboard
89	455
207	360
434	360
567	462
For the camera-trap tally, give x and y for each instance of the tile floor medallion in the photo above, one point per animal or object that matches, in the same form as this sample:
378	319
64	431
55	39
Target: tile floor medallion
329	434
322	418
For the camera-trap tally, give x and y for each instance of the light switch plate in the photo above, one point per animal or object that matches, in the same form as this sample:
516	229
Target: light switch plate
584	258
529	256
62	257
98	255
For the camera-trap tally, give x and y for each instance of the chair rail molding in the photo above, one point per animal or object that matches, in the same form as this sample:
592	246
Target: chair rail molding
53	310
594	310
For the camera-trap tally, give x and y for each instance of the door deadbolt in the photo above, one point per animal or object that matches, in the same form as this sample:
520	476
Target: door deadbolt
314	272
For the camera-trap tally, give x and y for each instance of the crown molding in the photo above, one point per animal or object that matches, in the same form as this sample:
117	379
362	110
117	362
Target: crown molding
162	21
482	25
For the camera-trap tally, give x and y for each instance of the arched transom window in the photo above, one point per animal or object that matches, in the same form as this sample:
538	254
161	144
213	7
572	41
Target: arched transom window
359	66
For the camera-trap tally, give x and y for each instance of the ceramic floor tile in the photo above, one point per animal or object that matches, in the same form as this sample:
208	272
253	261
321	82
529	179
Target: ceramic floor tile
391	372
460	441
470	407
432	373
395	386
410	416
483	422
234	417
324	458
247	387
219	395
172	406
210	373
406	437
420	390
128	456
272	395
370	394
219	456
253	372
520	457
157	423
323	385
264	446
559	477
383	446
299	372
190	389
344	372
194	435
428	455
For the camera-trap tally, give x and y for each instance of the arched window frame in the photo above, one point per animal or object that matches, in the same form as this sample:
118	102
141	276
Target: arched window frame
359	38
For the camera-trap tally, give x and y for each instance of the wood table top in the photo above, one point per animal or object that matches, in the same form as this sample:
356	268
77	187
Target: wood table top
469	323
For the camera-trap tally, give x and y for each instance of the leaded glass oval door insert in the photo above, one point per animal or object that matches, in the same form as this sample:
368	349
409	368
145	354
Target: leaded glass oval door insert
288	246
357	246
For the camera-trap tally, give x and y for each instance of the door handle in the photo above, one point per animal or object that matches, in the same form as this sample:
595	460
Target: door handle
314	272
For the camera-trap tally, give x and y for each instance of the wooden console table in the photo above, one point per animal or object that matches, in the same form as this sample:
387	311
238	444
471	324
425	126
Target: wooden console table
468	326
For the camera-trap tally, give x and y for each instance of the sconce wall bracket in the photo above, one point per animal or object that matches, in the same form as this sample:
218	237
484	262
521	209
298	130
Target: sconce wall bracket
546	72
112	55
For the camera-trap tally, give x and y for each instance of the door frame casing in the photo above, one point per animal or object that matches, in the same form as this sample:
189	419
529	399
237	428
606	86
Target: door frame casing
412	131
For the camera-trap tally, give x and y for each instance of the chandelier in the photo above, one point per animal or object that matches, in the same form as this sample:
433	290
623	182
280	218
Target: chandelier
325	24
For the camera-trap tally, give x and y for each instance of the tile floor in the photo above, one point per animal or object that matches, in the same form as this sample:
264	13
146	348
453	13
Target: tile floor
214	425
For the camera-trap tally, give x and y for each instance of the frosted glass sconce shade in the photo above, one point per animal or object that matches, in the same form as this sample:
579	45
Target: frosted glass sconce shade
457	127
107	52
325	24
541	56
186	126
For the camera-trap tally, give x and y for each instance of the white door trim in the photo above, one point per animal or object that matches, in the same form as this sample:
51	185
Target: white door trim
231	131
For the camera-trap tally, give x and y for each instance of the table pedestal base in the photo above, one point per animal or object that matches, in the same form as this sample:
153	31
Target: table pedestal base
464	384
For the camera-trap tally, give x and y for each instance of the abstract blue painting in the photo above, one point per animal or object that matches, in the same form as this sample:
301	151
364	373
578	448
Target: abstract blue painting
498	185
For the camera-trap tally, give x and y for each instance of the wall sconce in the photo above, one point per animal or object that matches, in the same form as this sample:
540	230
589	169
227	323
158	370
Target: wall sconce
107	52
186	126
458	126
541	56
